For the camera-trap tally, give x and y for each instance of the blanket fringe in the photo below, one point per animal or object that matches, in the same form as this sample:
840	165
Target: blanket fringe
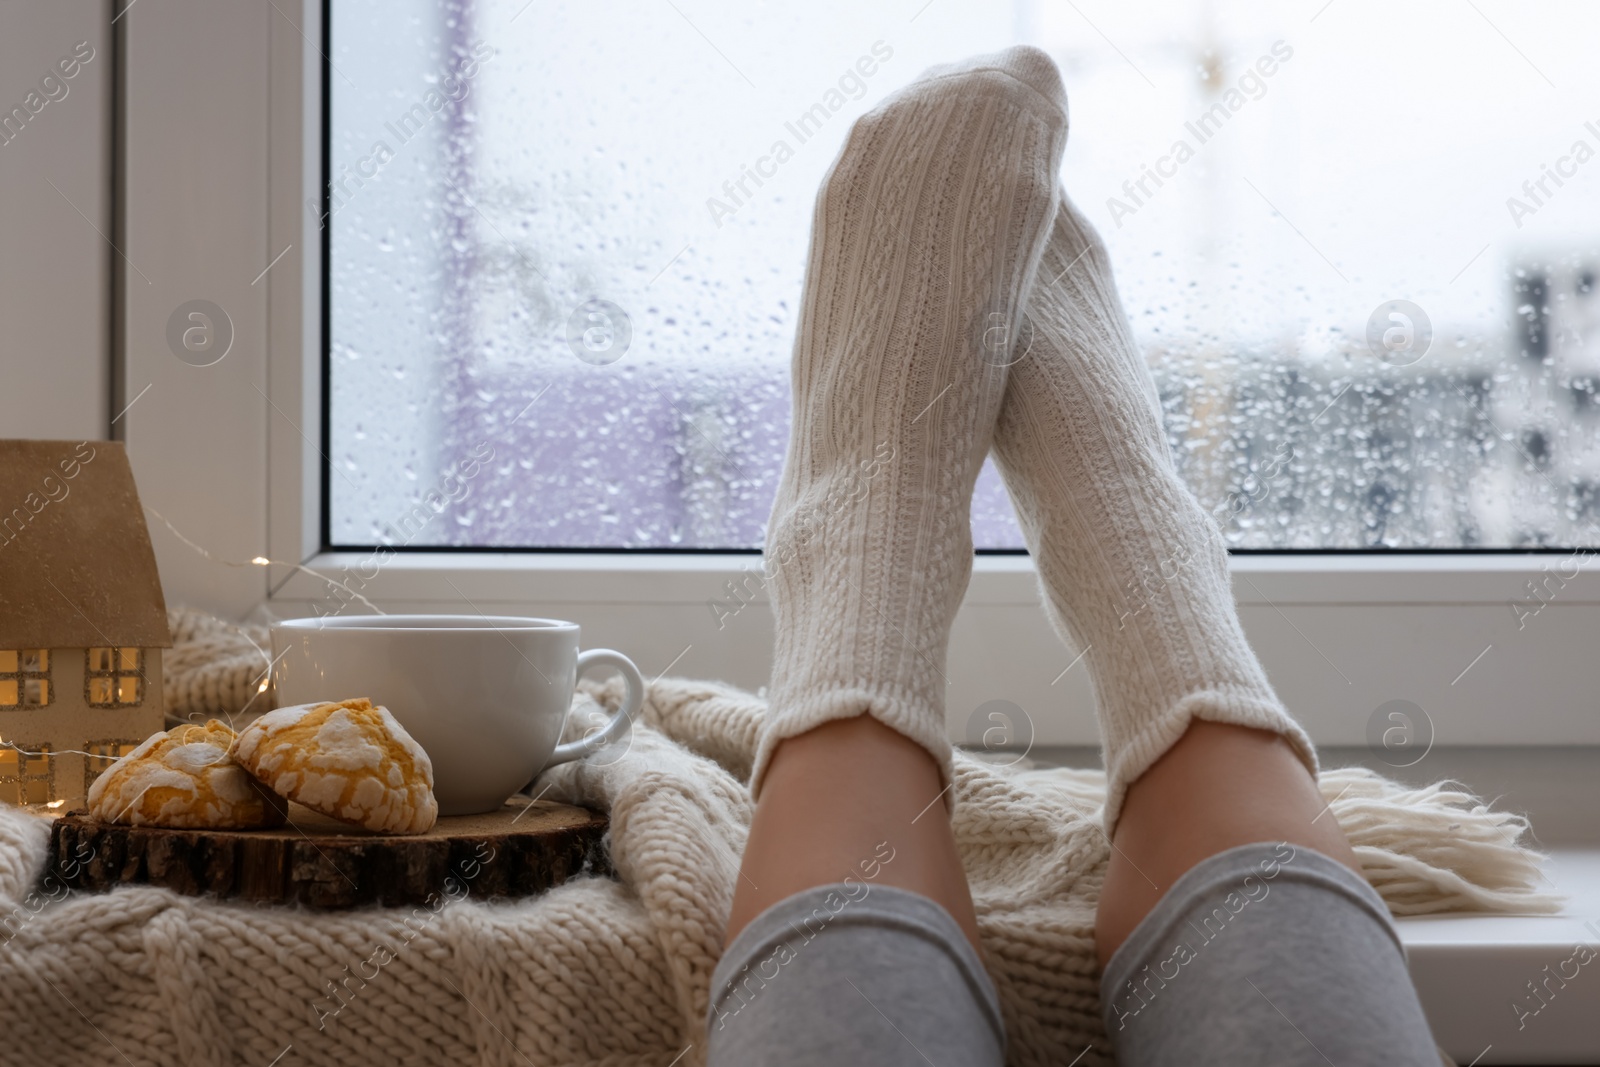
1437	848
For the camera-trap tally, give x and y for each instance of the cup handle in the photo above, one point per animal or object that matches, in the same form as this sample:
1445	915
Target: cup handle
604	657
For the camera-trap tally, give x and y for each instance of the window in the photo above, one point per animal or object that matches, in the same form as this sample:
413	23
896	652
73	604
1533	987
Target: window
1450	107
113	677
24	678
101	755
27	775
562	296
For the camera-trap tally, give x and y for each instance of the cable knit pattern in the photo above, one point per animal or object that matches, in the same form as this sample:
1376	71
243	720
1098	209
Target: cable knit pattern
1133	570
927	233
606	973
214	669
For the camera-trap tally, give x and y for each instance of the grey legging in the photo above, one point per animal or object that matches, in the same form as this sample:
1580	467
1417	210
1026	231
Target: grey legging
1264	954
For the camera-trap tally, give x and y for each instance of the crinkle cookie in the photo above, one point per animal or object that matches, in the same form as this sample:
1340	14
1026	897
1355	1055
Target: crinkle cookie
184	778
350	759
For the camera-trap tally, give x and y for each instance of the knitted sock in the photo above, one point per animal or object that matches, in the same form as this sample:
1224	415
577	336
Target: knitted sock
1134	572
927	234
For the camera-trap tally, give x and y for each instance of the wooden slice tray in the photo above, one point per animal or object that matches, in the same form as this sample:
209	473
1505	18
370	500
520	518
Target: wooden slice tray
323	863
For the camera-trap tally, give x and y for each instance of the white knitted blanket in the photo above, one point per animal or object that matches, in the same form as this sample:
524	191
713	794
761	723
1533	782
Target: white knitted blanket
612	972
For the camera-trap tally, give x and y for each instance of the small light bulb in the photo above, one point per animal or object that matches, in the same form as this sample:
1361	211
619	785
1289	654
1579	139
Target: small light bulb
262	688
55	803
261	561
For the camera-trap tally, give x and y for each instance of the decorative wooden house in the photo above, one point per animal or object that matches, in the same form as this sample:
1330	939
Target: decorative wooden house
82	619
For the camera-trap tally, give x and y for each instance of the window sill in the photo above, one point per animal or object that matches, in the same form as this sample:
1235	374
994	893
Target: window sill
1472	971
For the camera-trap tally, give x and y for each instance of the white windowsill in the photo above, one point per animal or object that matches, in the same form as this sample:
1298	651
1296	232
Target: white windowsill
1471	970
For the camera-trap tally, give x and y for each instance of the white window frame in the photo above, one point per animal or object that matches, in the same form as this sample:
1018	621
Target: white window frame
222	109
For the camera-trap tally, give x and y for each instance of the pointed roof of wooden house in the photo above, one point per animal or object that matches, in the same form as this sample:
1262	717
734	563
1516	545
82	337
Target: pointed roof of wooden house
76	566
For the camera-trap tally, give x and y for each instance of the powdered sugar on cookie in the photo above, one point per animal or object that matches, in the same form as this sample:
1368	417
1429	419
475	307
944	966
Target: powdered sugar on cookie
184	778
349	759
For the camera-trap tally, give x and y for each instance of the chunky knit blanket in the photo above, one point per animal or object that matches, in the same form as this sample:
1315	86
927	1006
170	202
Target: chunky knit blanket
604	971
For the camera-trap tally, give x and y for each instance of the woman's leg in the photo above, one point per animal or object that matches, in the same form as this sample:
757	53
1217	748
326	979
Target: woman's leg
855	931
849	798
1265	954
1218	787
1200	754
927	234
1233	923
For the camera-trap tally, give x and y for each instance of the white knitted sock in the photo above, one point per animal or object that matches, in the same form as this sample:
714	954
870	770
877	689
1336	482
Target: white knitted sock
927	235
1134	572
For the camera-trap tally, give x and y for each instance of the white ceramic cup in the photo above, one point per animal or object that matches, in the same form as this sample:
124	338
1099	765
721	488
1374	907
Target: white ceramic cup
485	696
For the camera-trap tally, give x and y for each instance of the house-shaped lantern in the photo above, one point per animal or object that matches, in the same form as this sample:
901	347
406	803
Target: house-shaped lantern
82	619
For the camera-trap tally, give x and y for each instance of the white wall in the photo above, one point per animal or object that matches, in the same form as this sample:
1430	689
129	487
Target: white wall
55	274
195	171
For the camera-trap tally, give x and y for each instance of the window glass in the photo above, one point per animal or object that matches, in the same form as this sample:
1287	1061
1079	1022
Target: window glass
113	677
25	678
26	776
1357	242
